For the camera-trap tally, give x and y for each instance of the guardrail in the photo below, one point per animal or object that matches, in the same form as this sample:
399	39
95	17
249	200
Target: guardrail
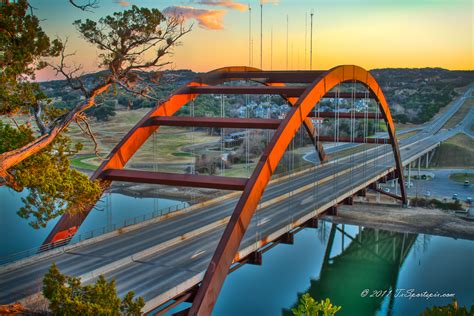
91	234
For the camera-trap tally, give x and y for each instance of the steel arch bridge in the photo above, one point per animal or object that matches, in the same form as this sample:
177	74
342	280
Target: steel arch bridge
306	89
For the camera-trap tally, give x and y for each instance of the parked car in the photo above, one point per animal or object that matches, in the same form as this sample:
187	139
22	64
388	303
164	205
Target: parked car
469	200
455	196
466	182
428	194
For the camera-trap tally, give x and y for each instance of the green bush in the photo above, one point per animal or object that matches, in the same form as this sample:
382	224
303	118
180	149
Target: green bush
309	307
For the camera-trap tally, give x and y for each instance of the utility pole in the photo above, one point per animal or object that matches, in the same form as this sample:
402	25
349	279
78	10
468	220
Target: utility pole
261	35
287	42
305	38
250	36
311	43
271	48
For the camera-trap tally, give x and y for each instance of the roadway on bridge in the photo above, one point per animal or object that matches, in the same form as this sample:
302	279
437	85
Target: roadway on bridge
183	263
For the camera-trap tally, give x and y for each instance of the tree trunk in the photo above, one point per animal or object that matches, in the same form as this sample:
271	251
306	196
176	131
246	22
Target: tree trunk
14	157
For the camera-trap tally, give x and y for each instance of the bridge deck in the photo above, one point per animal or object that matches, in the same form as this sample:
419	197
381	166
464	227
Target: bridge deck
157	273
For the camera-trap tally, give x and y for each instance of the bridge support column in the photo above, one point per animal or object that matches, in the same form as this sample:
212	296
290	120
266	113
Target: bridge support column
349	200
332	210
409	175
362	192
255	258
419	168
427	160
287	239
311	223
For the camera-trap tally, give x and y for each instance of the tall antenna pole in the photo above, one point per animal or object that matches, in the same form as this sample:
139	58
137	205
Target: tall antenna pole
287	42
250	36
311	43
305	38
271	48
261	35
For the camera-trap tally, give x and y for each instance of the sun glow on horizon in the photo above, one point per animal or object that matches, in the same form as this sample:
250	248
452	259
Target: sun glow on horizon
371	34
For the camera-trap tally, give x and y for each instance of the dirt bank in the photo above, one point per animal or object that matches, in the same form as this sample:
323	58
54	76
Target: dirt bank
405	220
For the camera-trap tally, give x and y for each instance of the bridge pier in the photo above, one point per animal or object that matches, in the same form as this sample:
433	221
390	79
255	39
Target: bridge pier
287	238
255	258
409	175
311	223
349	201
362	192
332	210
419	167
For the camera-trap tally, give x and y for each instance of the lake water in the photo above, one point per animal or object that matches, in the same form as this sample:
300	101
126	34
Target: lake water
113	209
345	266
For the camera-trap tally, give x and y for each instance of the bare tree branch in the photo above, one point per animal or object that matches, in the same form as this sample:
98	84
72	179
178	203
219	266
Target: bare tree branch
87	6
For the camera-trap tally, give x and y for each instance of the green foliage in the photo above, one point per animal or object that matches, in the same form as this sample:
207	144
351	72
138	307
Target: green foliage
449	310
309	307
434	203
67	296
54	187
23	45
104	112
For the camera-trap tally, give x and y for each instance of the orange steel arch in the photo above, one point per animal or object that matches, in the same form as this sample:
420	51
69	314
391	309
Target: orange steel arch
320	83
139	134
229	243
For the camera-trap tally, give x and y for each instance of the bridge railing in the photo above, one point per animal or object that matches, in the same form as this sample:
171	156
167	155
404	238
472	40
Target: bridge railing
90	234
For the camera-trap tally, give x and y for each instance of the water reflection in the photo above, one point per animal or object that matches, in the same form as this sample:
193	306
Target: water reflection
361	272
341	261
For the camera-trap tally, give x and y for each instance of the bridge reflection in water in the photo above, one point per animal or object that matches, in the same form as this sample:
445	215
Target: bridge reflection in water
370	260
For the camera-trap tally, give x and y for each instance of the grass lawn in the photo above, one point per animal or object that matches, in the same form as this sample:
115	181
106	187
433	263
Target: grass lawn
79	163
456	152
460	177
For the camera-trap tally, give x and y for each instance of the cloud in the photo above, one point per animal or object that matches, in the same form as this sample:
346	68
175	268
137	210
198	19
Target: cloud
225	3
123	3
275	2
207	19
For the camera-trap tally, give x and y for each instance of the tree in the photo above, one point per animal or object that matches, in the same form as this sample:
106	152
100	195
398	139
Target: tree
104	112
129	41
67	296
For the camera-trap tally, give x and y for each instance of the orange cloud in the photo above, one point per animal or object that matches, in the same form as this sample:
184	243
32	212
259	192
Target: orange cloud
225	3
275	2
123	3
207	19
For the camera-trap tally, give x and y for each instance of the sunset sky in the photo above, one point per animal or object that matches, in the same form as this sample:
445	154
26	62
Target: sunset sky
369	33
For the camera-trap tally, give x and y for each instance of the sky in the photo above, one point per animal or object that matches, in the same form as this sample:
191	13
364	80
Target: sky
368	33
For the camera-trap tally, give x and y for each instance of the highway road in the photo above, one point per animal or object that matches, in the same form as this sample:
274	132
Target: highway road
156	259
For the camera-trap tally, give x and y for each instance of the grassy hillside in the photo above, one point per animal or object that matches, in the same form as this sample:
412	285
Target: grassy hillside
461	114
456	152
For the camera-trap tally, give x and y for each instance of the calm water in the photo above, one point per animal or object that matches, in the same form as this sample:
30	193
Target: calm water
16	235
328	263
